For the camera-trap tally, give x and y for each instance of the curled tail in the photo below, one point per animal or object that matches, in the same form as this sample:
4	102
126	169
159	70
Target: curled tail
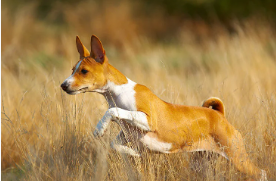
216	104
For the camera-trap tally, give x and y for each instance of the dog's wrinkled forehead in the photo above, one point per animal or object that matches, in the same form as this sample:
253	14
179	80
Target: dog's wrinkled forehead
82	62
76	67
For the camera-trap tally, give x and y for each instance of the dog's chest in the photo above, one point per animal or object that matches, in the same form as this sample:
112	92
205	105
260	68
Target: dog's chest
126	101
123	96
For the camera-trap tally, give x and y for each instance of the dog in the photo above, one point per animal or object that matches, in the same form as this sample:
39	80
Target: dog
151	123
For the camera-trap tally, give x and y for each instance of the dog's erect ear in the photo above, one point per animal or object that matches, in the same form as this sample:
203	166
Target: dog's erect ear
97	51
81	48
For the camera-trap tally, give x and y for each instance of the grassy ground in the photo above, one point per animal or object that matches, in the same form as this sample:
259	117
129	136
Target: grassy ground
47	134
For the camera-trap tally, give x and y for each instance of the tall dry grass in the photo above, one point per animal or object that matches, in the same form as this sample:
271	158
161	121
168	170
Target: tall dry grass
47	134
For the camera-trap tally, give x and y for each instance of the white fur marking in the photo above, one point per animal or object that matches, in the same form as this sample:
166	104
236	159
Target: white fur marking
124	149
136	118
122	96
155	145
77	67
263	176
71	79
102	125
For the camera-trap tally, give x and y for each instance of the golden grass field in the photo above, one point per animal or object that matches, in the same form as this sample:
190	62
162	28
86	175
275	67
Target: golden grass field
47	134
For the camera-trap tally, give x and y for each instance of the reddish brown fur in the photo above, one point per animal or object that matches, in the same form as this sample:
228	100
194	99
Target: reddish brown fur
215	103
191	128
95	77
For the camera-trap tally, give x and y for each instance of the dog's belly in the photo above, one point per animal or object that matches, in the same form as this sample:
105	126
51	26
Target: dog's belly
151	141
141	140
132	133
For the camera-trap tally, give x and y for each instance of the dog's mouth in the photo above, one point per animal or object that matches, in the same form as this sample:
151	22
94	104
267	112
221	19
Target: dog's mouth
82	90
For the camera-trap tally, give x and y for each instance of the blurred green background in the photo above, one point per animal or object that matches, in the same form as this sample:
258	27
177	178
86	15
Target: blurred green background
222	10
209	11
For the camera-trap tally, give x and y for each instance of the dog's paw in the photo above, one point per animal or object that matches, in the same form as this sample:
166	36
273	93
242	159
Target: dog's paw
263	176
112	113
98	133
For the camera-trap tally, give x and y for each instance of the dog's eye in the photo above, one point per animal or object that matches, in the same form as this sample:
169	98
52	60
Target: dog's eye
84	71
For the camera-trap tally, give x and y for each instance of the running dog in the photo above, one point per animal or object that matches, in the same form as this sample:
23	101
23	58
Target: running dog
150	122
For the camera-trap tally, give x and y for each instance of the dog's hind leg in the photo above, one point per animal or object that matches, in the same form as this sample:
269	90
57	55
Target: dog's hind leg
205	144
118	144
232	140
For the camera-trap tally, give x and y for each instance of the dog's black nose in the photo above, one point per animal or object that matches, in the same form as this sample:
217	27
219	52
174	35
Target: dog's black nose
64	85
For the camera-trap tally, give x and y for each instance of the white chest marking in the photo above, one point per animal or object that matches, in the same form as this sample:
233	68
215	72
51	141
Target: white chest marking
155	145
122	96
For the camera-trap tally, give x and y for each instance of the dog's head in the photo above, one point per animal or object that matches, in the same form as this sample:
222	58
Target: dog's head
89	73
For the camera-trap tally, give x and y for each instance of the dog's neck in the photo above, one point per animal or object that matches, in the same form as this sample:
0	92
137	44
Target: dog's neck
115	76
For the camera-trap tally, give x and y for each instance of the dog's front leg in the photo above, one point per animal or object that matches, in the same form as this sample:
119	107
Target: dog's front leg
135	118
103	124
